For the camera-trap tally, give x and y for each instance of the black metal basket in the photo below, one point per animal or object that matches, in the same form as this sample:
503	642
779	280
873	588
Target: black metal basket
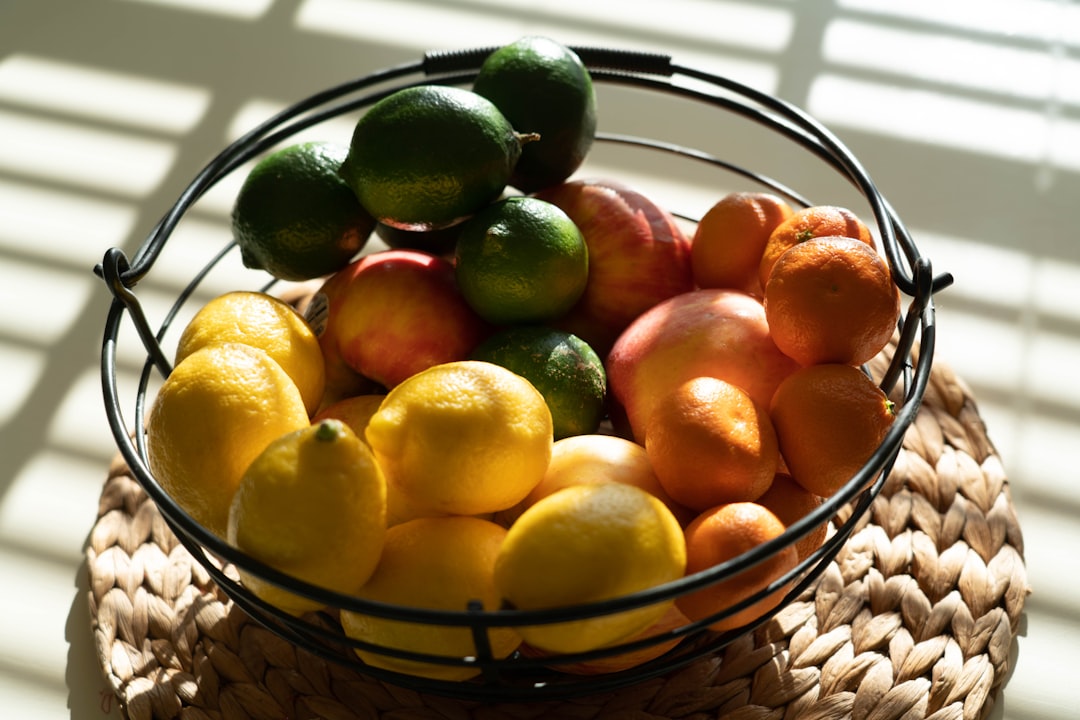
519	677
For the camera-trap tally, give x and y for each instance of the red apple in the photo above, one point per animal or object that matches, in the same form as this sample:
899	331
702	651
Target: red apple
389	315
341	380
638	257
717	333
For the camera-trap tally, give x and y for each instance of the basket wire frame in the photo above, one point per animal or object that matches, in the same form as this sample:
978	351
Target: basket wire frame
519	677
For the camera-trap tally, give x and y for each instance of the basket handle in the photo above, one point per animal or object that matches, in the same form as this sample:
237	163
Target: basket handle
438	62
112	270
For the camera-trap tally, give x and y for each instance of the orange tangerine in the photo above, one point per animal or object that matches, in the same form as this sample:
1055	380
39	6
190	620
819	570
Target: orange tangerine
829	420
724	533
791	502
710	443
730	239
806	224
831	300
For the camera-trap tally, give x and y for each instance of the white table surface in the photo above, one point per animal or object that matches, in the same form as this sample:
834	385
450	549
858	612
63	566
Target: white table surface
966	113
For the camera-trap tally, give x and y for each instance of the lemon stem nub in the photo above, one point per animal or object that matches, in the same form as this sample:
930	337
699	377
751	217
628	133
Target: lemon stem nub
526	138
328	430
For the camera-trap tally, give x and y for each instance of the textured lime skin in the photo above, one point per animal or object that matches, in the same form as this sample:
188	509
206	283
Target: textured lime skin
295	217
542	87
521	260
562	366
427	157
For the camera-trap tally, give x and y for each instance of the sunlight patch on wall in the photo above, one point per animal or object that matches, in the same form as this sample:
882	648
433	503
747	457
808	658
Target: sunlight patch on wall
193	243
22	370
1039	451
120	98
405	25
715	22
924	116
1063	142
1022	72
1056	289
993	276
80	425
243	9
979	318
1051	356
218	200
61	226
1044	20
99	160
479	24
44	302
720	31
33	642
26	509
965	338
979	310
259	110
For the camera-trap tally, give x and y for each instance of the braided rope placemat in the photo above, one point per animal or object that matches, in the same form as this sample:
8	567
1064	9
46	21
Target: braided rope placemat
915	617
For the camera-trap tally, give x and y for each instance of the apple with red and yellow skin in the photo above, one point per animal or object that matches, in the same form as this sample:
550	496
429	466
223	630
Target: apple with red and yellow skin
391	314
638	257
719	333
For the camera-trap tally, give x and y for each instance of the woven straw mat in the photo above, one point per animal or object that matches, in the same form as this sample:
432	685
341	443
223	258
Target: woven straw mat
915	618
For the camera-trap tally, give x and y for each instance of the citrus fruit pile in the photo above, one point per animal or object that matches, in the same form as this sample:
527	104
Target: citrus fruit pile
544	393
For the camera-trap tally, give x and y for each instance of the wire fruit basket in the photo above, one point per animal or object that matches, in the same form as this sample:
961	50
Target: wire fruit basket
521	677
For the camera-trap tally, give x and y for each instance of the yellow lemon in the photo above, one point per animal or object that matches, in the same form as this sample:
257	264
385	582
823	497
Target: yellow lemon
262	321
313	505
590	459
218	409
588	543
435	564
463	438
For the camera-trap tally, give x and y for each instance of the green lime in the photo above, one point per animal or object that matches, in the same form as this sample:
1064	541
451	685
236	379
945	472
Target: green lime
561	366
436	242
521	260
295	217
429	156
541	86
